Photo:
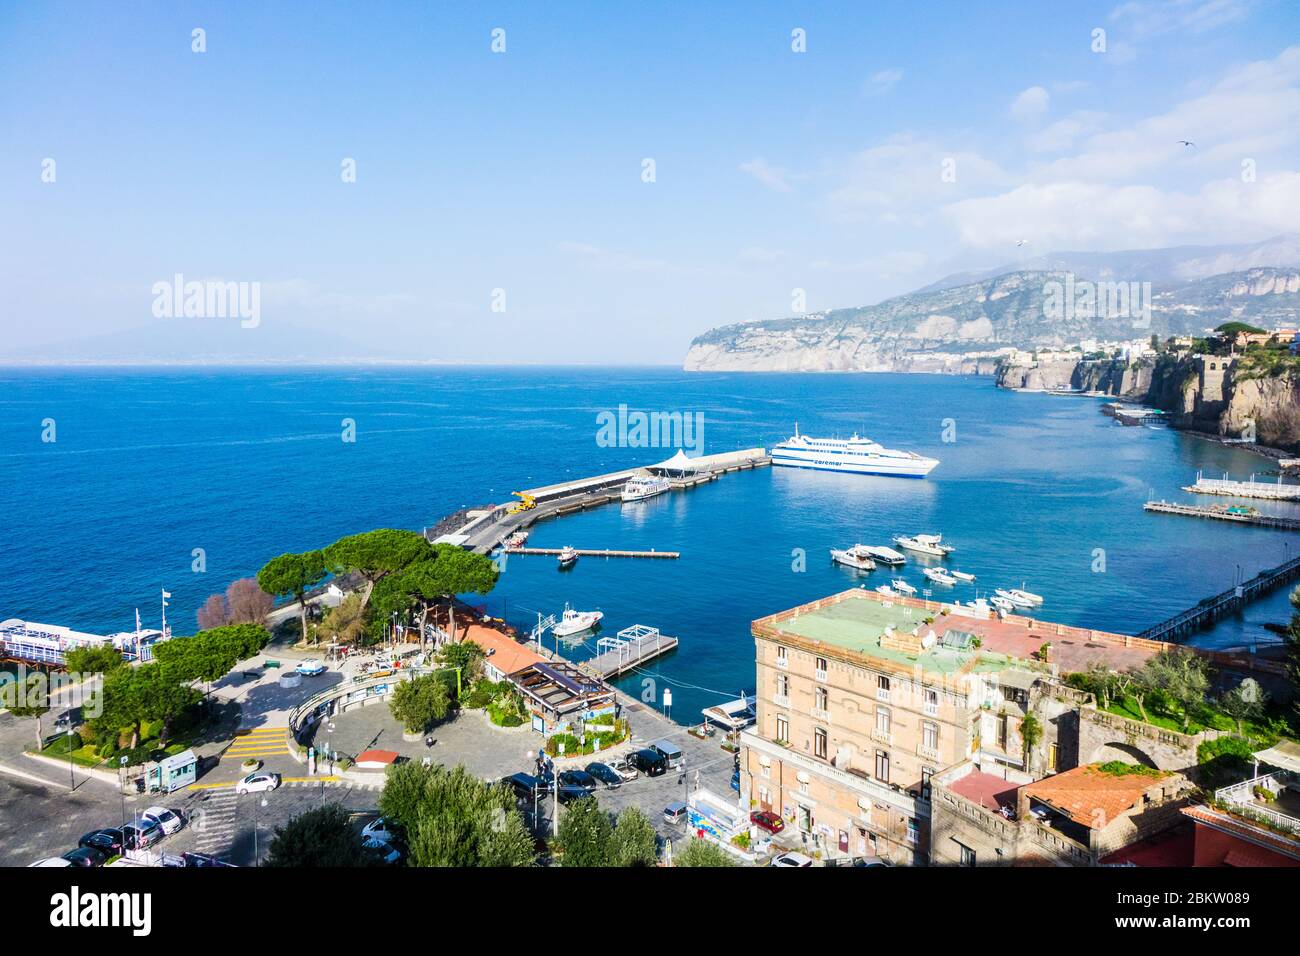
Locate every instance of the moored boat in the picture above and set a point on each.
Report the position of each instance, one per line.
(882, 555)
(902, 587)
(640, 487)
(858, 455)
(924, 544)
(567, 557)
(517, 540)
(1024, 595)
(575, 622)
(886, 590)
(962, 575)
(855, 557)
(939, 576)
(1013, 597)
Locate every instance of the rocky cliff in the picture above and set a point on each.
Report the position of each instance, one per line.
(1232, 397)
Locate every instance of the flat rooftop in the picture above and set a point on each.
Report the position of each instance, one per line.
(855, 620)
(858, 625)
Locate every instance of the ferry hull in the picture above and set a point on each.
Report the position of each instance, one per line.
(894, 468)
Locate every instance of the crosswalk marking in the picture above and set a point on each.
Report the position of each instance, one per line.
(216, 824)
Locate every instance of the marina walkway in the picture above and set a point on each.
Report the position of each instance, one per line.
(606, 553)
(1221, 513)
(1229, 601)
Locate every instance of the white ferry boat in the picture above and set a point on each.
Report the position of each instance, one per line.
(645, 486)
(575, 622)
(855, 557)
(861, 456)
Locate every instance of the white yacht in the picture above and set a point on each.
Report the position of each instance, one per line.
(1014, 597)
(884, 555)
(939, 576)
(1001, 603)
(962, 575)
(568, 556)
(930, 544)
(575, 622)
(640, 487)
(855, 557)
(886, 590)
(858, 455)
(902, 587)
(1023, 595)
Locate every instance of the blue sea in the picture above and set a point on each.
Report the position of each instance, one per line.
(149, 466)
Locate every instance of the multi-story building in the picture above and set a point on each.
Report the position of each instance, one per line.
(860, 700)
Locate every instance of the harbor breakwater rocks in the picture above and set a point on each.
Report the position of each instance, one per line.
(1207, 393)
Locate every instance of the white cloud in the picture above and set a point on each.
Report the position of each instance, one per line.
(1064, 133)
(1031, 103)
(882, 82)
(609, 260)
(1146, 18)
(770, 176)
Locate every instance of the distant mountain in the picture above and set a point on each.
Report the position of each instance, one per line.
(1164, 266)
(203, 342)
(953, 328)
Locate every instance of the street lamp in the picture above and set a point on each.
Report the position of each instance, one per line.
(122, 763)
(72, 780)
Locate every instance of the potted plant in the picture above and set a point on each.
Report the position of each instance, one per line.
(251, 764)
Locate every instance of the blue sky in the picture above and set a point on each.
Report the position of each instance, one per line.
(522, 171)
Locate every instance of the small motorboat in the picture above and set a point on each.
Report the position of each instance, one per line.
(939, 576)
(567, 557)
(1001, 603)
(855, 557)
(517, 540)
(962, 576)
(886, 590)
(1011, 596)
(902, 587)
(576, 622)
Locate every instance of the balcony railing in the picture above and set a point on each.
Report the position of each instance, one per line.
(823, 715)
(884, 736)
(1243, 795)
(781, 700)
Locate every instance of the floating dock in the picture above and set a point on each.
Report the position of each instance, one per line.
(1224, 513)
(632, 647)
(1227, 602)
(607, 553)
(1269, 490)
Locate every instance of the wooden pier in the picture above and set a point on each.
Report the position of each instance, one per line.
(589, 553)
(634, 646)
(1223, 513)
(1228, 602)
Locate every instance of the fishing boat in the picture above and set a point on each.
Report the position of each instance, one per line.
(930, 544)
(855, 557)
(642, 487)
(902, 587)
(884, 555)
(858, 455)
(567, 557)
(962, 576)
(1013, 597)
(1024, 595)
(939, 576)
(517, 540)
(576, 622)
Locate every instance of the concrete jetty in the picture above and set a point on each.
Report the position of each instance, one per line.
(1226, 602)
(606, 553)
(1224, 513)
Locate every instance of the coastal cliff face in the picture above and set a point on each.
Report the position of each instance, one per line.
(1205, 393)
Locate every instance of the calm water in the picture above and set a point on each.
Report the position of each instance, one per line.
(149, 466)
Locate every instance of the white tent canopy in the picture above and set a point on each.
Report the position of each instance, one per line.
(679, 462)
(1284, 754)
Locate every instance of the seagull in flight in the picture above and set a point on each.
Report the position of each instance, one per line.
(1021, 242)
(1186, 142)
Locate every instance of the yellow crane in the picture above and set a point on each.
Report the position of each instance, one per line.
(526, 501)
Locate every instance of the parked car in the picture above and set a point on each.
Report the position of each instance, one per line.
(670, 752)
(569, 793)
(735, 780)
(311, 667)
(578, 778)
(258, 782)
(141, 835)
(792, 859)
(767, 820)
(169, 820)
(86, 856)
(203, 859)
(379, 830)
(649, 762)
(605, 774)
(624, 769)
(526, 786)
(675, 812)
(56, 861)
(870, 861)
(109, 840)
(387, 852)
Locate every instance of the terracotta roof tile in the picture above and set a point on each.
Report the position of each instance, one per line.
(1090, 797)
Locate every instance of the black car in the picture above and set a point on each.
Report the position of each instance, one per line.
(578, 778)
(649, 762)
(605, 774)
(569, 793)
(525, 785)
(109, 840)
(86, 856)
